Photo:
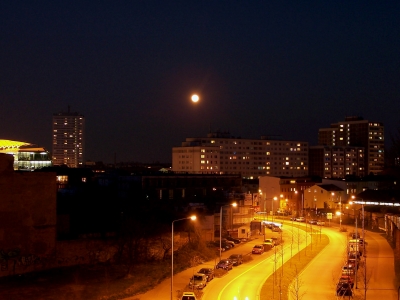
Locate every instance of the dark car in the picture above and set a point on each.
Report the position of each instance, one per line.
(225, 243)
(346, 279)
(313, 221)
(354, 259)
(355, 235)
(276, 229)
(225, 264)
(344, 289)
(236, 241)
(276, 240)
(209, 272)
(237, 259)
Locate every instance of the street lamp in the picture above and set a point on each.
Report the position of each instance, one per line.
(340, 207)
(302, 202)
(273, 199)
(220, 226)
(363, 236)
(172, 251)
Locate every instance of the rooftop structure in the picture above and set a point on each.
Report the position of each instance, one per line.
(27, 156)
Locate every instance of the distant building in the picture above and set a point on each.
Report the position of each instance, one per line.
(357, 132)
(336, 161)
(27, 156)
(221, 153)
(68, 139)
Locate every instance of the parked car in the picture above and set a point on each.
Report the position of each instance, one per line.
(277, 240)
(344, 289)
(300, 219)
(209, 272)
(270, 241)
(225, 264)
(321, 223)
(225, 242)
(346, 279)
(313, 221)
(237, 259)
(216, 246)
(258, 249)
(236, 241)
(268, 246)
(354, 235)
(276, 229)
(348, 269)
(188, 296)
(198, 281)
(354, 258)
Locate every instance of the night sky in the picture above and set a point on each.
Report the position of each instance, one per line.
(284, 68)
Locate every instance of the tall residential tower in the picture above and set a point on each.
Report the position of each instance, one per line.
(68, 139)
(357, 132)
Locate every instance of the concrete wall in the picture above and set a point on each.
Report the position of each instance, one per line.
(27, 217)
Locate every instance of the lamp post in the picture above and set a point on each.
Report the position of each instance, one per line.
(220, 226)
(272, 201)
(340, 208)
(363, 236)
(302, 202)
(172, 251)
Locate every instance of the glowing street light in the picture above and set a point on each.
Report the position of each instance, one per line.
(172, 251)
(273, 199)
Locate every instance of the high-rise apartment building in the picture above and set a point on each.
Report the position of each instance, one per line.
(68, 139)
(357, 132)
(336, 162)
(221, 153)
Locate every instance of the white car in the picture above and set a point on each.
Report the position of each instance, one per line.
(188, 296)
(321, 223)
(300, 219)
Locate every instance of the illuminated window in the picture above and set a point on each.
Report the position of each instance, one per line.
(62, 178)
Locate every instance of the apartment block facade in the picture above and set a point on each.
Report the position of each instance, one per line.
(357, 132)
(68, 139)
(336, 162)
(221, 153)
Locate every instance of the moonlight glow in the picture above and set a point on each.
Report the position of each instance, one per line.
(195, 98)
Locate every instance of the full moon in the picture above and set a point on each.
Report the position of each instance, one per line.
(195, 98)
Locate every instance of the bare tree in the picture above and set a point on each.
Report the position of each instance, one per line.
(295, 288)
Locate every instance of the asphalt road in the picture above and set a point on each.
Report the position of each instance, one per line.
(319, 278)
(242, 281)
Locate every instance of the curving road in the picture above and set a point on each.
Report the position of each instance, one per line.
(244, 282)
(319, 278)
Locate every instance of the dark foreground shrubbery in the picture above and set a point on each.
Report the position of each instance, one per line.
(103, 280)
